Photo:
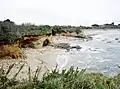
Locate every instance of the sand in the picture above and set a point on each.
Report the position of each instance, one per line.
(46, 58)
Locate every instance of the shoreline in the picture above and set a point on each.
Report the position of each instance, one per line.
(47, 56)
(35, 57)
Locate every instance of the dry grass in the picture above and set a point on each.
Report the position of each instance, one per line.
(10, 51)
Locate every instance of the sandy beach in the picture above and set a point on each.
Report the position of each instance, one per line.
(48, 57)
(45, 57)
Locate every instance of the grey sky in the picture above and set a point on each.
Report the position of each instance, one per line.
(61, 12)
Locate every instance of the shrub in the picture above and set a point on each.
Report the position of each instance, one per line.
(9, 32)
(46, 42)
(67, 79)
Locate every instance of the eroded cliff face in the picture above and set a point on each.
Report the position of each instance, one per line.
(35, 41)
(10, 51)
(13, 50)
(43, 41)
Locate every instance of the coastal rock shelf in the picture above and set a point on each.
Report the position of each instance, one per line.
(66, 46)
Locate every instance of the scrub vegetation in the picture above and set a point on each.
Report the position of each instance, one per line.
(67, 79)
(13, 37)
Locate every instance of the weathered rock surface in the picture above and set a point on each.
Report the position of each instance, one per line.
(76, 47)
(109, 42)
(116, 38)
(66, 46)
(62, 46)
(46, 42)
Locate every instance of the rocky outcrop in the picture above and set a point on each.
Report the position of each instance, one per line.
(43, 41)
(62, 46)
(76, 47)
(85, 38)
(46, 42)
(116, 38)
(109, 42)
(66, 46)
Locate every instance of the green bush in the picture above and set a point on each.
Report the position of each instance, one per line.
(67, 79)
(9, 31)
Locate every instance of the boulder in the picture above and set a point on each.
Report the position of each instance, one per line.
(66, 46)
(63, 46)
(76, 47)
(116, 38)
(46, 42)
(109, 42)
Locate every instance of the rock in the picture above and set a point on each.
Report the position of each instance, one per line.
(46, 42)
(91, 38)
(66, 46)
(109, 42)
(82, 37)
(116, 38)
(76, 47)
(63, 46)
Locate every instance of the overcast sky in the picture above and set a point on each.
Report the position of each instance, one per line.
(61, 12)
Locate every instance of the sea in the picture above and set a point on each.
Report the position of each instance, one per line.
(99, 55)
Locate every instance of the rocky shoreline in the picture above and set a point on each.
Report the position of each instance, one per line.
(45, 57)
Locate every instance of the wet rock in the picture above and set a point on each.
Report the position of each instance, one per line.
(80, 36)
(62, 46)
(67, 46)
(109, 42)
(116, 38)
(90, 38)
(76, 47)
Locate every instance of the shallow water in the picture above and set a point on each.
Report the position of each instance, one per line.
(102, 54)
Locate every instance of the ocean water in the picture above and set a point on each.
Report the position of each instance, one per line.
(102, 54)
